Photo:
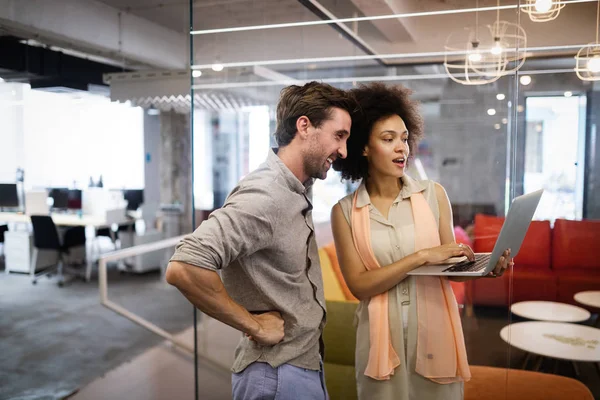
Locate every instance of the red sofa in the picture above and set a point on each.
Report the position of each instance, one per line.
(575, 258)
(553, 263)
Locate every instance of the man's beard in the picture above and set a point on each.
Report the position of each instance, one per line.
(314, 167)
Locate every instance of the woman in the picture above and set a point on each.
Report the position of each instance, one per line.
(409, 341)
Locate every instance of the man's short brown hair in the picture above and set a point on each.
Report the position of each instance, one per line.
(314, 100)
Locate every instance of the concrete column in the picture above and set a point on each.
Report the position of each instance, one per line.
(176, 165)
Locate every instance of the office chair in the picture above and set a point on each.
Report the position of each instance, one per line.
(114, 235)
(45, 238)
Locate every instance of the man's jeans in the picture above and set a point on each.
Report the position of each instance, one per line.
(260, 381)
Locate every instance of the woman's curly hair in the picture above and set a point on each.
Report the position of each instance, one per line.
(377, 101)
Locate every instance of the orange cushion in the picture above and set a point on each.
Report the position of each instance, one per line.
(335, 265)
(331, 285)
(575, 244)
(493, 383)
(487, 229)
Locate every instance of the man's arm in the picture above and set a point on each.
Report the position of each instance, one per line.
(204, 289)
(243, 226)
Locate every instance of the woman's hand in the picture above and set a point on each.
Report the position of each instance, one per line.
(503, 263)
(440, 253)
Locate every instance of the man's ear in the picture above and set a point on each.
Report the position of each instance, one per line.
(302, 126)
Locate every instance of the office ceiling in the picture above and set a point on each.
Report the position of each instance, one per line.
(153, 35)
(575, 26)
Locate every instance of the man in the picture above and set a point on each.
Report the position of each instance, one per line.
(263, 242)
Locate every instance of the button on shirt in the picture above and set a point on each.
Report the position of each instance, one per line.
(263, 241)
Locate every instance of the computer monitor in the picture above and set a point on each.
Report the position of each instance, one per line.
(74, 199)
(9, 198)
(134, 198)
(60, 197)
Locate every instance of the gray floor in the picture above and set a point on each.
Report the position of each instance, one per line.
(55, 340)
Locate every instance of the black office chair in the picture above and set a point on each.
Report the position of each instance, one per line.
(74, 237)
(45, 237)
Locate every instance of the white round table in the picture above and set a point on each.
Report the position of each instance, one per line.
(550, 311)
(558, 340)
(589, 298)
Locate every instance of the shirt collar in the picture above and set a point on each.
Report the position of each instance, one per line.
(274, 162)
(409, 186)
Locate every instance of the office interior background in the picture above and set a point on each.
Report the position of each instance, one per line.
(123, 124)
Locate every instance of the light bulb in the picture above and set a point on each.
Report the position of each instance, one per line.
(593, 64)
(500, 96)
(217, 67)
(543, 5)
(568, 93)
(475, 57)
(491, 111)
(497, 126)
(525, 80)
(497, 49)
(196, 73)
(505, 121)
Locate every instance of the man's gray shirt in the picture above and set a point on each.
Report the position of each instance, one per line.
(263, 241)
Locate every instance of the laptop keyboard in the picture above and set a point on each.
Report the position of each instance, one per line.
(481, 261)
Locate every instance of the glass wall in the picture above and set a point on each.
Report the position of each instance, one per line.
(505, 115)
(82, 176)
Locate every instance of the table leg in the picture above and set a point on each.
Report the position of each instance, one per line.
(526, 360)
(538, 364)
(576, 368)
(555, 369)
(89, 261)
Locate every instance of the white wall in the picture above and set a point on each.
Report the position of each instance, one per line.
(11, 127)
(62, 140)
(203, 161)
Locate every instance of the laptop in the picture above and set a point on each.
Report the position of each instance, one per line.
(511, 237)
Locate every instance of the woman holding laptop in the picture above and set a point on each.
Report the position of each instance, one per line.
(409, 341)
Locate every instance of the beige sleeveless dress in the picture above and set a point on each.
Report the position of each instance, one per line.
(391, 240)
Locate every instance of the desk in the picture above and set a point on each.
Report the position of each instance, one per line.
(24, 244)
(550, 311)
(60, 219)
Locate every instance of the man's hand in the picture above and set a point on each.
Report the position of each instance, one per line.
(271, 330)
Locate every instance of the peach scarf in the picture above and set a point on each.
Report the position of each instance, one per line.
(441, 354)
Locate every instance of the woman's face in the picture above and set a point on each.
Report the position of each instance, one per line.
(387, 150)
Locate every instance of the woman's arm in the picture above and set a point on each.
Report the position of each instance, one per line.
(447, 226)
(365, 284)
